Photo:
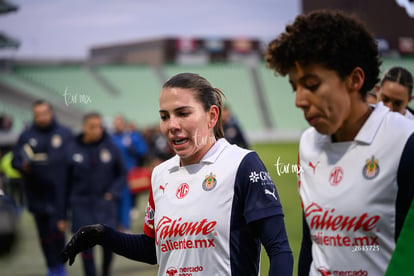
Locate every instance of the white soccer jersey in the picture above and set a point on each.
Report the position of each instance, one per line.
(198, 214)
(349, 193)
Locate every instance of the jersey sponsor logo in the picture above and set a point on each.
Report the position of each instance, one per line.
(328, 220)
(182, 190)
(350, 272)
(340, 240)
(336, 176)
(169, 245)
(171, 271)
(193, 269)
(254, 177)
(324, 271)
(168, 229)
(209, 182)
(313, 166)
(371, 168)
(312, 208)
(263, 176)
(184, 271)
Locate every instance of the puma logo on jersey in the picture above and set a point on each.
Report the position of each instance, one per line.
(267, 192)
(313, 166)
(162, 188)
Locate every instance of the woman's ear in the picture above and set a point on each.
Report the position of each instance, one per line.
(356, 79)
(213, 114)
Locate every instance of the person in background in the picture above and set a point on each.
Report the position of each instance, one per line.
(12, 181)
(8, 223)
(157, 144)
(96, 179)
(139, 178)
(355, 188)
(133, 150)
(232, 130)
(396, 89)
(38, 156)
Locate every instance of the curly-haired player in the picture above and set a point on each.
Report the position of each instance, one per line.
(356, 186)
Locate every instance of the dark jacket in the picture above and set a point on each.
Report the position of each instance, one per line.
(234, 134)
(94, 169)
(46, 178)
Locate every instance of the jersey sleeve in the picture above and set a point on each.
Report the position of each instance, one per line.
(138, 247)
(274, 239)
(149, 217)
(305, 255)
(255, 190)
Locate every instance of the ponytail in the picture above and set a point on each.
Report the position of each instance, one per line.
(218, 128)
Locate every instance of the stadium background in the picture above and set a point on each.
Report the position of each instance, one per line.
(126, 78)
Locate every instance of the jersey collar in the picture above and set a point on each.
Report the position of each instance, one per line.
(368, 131)
(209, 158)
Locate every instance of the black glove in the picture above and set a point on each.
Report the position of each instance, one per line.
(85, 238)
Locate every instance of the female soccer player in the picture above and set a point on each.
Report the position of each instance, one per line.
(395, 90)
(356, 186)
(211, 206)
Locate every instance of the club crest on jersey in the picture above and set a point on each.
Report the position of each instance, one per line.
(56, 141)
(77, 157)
(371, 168)
(105, 156)
(33, 142)
(209, 182)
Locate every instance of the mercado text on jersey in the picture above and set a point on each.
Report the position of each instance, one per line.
(349, 192)
(200, 212)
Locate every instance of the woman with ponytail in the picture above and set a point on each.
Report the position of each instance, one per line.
(211, 206)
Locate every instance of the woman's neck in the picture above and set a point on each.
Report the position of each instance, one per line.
(349, 130)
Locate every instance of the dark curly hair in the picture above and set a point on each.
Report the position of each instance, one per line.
(336, 40)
